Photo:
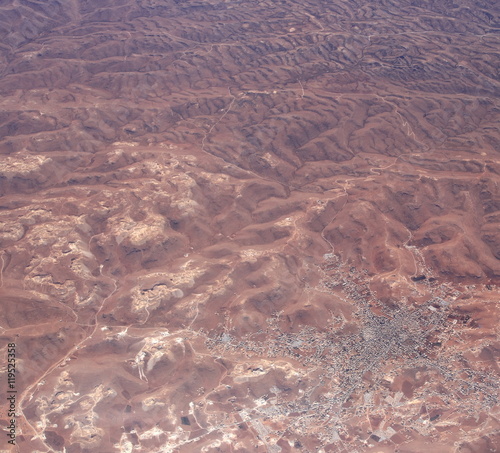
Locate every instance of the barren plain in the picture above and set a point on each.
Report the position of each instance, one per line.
(250, 226)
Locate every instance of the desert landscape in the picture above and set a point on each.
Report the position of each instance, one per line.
(249, 226)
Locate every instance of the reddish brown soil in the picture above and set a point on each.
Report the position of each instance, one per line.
(250, 226)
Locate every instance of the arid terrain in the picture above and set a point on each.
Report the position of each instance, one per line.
(250, 226)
